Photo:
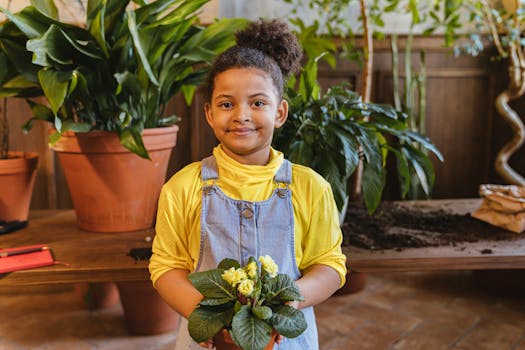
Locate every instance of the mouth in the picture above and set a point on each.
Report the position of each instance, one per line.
(241, 131)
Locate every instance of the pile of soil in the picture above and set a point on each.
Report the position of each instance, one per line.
(396, 227)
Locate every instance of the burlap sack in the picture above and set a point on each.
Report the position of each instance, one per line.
(503, 206)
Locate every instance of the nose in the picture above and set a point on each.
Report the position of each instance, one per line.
(242, 114)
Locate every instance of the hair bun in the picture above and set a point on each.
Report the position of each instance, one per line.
(275, 39)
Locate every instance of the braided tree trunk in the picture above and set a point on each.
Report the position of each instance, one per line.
(515, 90)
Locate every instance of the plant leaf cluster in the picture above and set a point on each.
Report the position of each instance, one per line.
(115, 73)
(332, 131)
(249, 319)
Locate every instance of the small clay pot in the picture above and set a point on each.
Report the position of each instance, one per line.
(223, 341)
(145, 311)
(355, 282)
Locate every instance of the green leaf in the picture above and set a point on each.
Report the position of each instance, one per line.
(373, 182)
(281, 288)
(262, 312)
(131, 138)
(137, 44)
(227, 263)
(55, 85)
(289, 321)
(204, 322)
(46, 7)
(212, 285)
(250, 332)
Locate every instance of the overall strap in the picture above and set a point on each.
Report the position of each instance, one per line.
(284, 174)
(209, 169)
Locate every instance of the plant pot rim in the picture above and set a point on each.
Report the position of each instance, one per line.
(98, 141)
(19, 162)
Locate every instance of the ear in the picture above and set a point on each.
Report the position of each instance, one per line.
(282, 114)
(208, 113)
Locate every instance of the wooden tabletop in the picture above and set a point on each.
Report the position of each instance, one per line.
(483, 254)
(103, 257)
(90, 256)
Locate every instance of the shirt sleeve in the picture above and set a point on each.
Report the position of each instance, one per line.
(172, 246)
(323, 239)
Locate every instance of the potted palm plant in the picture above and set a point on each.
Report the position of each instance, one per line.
(107, 83)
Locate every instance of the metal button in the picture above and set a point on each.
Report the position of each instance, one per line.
(207, 190)
(247, 213)
(281, 192)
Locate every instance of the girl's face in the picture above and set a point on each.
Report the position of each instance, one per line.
(243, 112)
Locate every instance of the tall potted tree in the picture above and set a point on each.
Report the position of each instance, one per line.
(107, 82)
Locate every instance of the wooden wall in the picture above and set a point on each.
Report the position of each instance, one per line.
(461, 121)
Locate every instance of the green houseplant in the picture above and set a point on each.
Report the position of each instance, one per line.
(331, 131)
(111, 76)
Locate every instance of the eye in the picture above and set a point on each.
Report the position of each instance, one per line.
(259, 103)
(226, 105)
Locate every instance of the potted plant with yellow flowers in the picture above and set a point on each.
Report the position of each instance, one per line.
(245, 307)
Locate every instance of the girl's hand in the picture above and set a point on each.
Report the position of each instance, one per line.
(207, 344)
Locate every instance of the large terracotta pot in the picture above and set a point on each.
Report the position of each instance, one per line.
(17, 178)
(112, 189)
(223, 341)
(145, 311)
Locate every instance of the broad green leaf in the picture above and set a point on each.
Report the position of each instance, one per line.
(250, 332)
(227, 263)
(137, 44)
(131, 138)
(289, 321)
(212, 285)
(204, 322)
(262, 312)
(281, 288)
(46, 7)
(55, 85)
(30, 21)
(373, 182)
(97, 29)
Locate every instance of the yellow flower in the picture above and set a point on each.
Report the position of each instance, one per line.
(269, 265)
(234, 276)
(251, 269)
(246, 287)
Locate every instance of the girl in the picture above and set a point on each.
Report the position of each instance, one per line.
(246, 199)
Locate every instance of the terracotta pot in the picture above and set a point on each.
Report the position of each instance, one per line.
(146, 313)
(355, 282)
(98, 295)
(504, 282)
(112, 189)
(223, 341)
(17, 178)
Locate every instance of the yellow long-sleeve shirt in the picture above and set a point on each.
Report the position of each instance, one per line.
(316, 225)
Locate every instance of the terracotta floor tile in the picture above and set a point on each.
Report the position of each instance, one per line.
(369, 337)
(491, 335)
(396, 311)
(430, 335)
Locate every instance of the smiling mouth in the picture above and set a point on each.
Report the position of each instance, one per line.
(241, 131)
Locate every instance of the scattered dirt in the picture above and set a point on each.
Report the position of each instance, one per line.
(395, 227)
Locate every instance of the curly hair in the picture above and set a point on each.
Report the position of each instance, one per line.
(268, 45)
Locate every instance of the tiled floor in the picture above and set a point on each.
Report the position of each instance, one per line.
(429, 311)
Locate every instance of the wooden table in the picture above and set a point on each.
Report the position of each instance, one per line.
(504, 254)
(91, 256)
(102, 257)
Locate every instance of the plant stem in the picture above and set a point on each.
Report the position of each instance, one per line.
(395, 70)
(4, 132)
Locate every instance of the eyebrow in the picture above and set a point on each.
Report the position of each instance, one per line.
(251, 96)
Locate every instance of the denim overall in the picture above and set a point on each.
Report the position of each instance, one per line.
(239, 229)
